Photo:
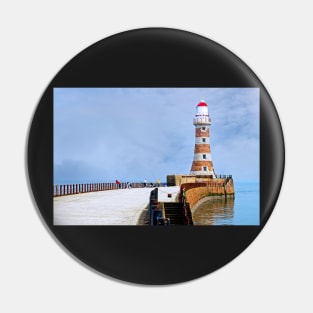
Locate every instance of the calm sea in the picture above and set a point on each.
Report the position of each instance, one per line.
(243, 210)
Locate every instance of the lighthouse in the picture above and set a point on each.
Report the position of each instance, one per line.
(202, 160)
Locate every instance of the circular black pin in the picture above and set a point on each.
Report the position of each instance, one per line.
(188, 114)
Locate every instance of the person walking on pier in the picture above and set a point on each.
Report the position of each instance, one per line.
(118, 184)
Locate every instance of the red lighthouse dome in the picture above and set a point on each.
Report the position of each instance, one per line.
(202, 104)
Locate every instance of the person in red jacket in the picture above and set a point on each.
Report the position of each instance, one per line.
(118, 183)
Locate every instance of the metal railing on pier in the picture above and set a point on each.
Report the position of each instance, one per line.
(224, 176)
(72, 189)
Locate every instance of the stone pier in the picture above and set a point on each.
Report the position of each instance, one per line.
(110, 207)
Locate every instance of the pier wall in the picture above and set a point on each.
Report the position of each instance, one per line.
(219, 187)
(179, 179)
(195, 194)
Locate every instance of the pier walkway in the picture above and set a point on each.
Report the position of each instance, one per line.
(110, 207)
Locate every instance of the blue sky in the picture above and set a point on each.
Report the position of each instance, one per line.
(132, 134)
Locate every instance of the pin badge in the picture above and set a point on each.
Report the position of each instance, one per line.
(155, 156)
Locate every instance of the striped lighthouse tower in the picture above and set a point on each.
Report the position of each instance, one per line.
(202, 160)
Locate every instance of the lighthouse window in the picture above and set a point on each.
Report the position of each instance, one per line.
(203, 139)
(204, 156)
(203, 129)
(205, 168)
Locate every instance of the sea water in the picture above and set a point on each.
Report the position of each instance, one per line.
(244, 209)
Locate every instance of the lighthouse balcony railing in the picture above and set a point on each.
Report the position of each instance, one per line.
(202, 120)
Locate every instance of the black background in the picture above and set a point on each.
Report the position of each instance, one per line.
(155, 58)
